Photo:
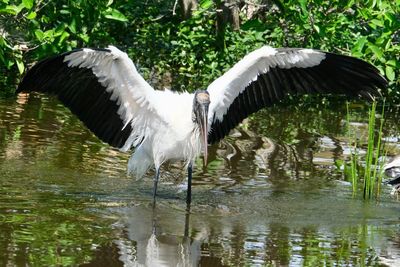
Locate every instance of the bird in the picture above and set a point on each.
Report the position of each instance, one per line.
(103, 88)
(392, 170)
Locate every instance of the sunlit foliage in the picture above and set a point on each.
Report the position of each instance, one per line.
(185, 54)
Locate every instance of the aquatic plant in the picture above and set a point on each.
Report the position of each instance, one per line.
(369, 168)
(373, 167)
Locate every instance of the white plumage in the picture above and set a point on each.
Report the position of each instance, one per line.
(135, 98)
(161, 121)
(226, 88)
(103, 88)
(172, 137)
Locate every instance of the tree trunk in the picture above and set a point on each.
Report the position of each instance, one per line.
(231, 13)
(187, 7)
(227, 13)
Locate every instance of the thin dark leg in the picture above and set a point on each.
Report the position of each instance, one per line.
(156, 176)
(189, 186)
(187, 218)
(153, 221)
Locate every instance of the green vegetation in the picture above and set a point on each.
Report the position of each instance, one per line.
(187, 53)
(59, 210)
(373, 169)
(351, 170)
(368, 168)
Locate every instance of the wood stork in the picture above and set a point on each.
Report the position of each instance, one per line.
(104, 89)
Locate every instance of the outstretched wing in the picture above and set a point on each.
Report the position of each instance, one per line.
(102, 87)
(267, 75)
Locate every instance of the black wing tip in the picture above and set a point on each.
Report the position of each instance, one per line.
(29, 83)
(360, 64)
(335, 74)
(372, 81)
(79, 90)
(30, 80)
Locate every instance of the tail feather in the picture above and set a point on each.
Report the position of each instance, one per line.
(139, 163)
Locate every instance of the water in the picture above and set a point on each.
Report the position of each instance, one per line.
(270, 196)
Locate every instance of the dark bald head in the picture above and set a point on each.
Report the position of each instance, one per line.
(202, 97)
(201, 103)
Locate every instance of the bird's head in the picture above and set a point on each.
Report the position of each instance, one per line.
(201, 103)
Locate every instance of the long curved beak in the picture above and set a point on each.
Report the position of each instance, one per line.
(204, 130)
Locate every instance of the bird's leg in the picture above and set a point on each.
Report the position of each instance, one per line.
(187, 219)
(156, 176)
(189, 186)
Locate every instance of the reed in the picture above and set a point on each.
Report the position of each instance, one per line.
(352, 169)
(370, 171)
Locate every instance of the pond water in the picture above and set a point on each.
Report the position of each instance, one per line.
(270, 196)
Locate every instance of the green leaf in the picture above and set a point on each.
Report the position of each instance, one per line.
(49, 34)
(31, 15)
(39, 34)
(377, 22)
(19, 8)
(389, 73)
(4, 43)
(3, 60)
(20, 65)
(63, 36)
(84, 37)
(206, 4)
(359, 45)
(391, 62)
(28, 3)
(9, 64)
(377, 51)
(59, 29)
(8, 10)
(114, 14)
(303, 6)
(357, 54)
(12, 9)
(72, 25)
(380, 68)
(316, 28)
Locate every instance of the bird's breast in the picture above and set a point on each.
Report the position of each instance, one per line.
(176, 136)
(170, 145)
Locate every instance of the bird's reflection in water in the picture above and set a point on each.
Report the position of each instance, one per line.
(159, 238)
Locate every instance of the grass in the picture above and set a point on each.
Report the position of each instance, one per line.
(373, 171)
(369, 171)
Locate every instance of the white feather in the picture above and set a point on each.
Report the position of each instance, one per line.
(226, 88)
(161, 120)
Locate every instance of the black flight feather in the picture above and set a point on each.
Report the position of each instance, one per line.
(80, 91)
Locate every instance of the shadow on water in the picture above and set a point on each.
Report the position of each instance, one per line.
(269, 196)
